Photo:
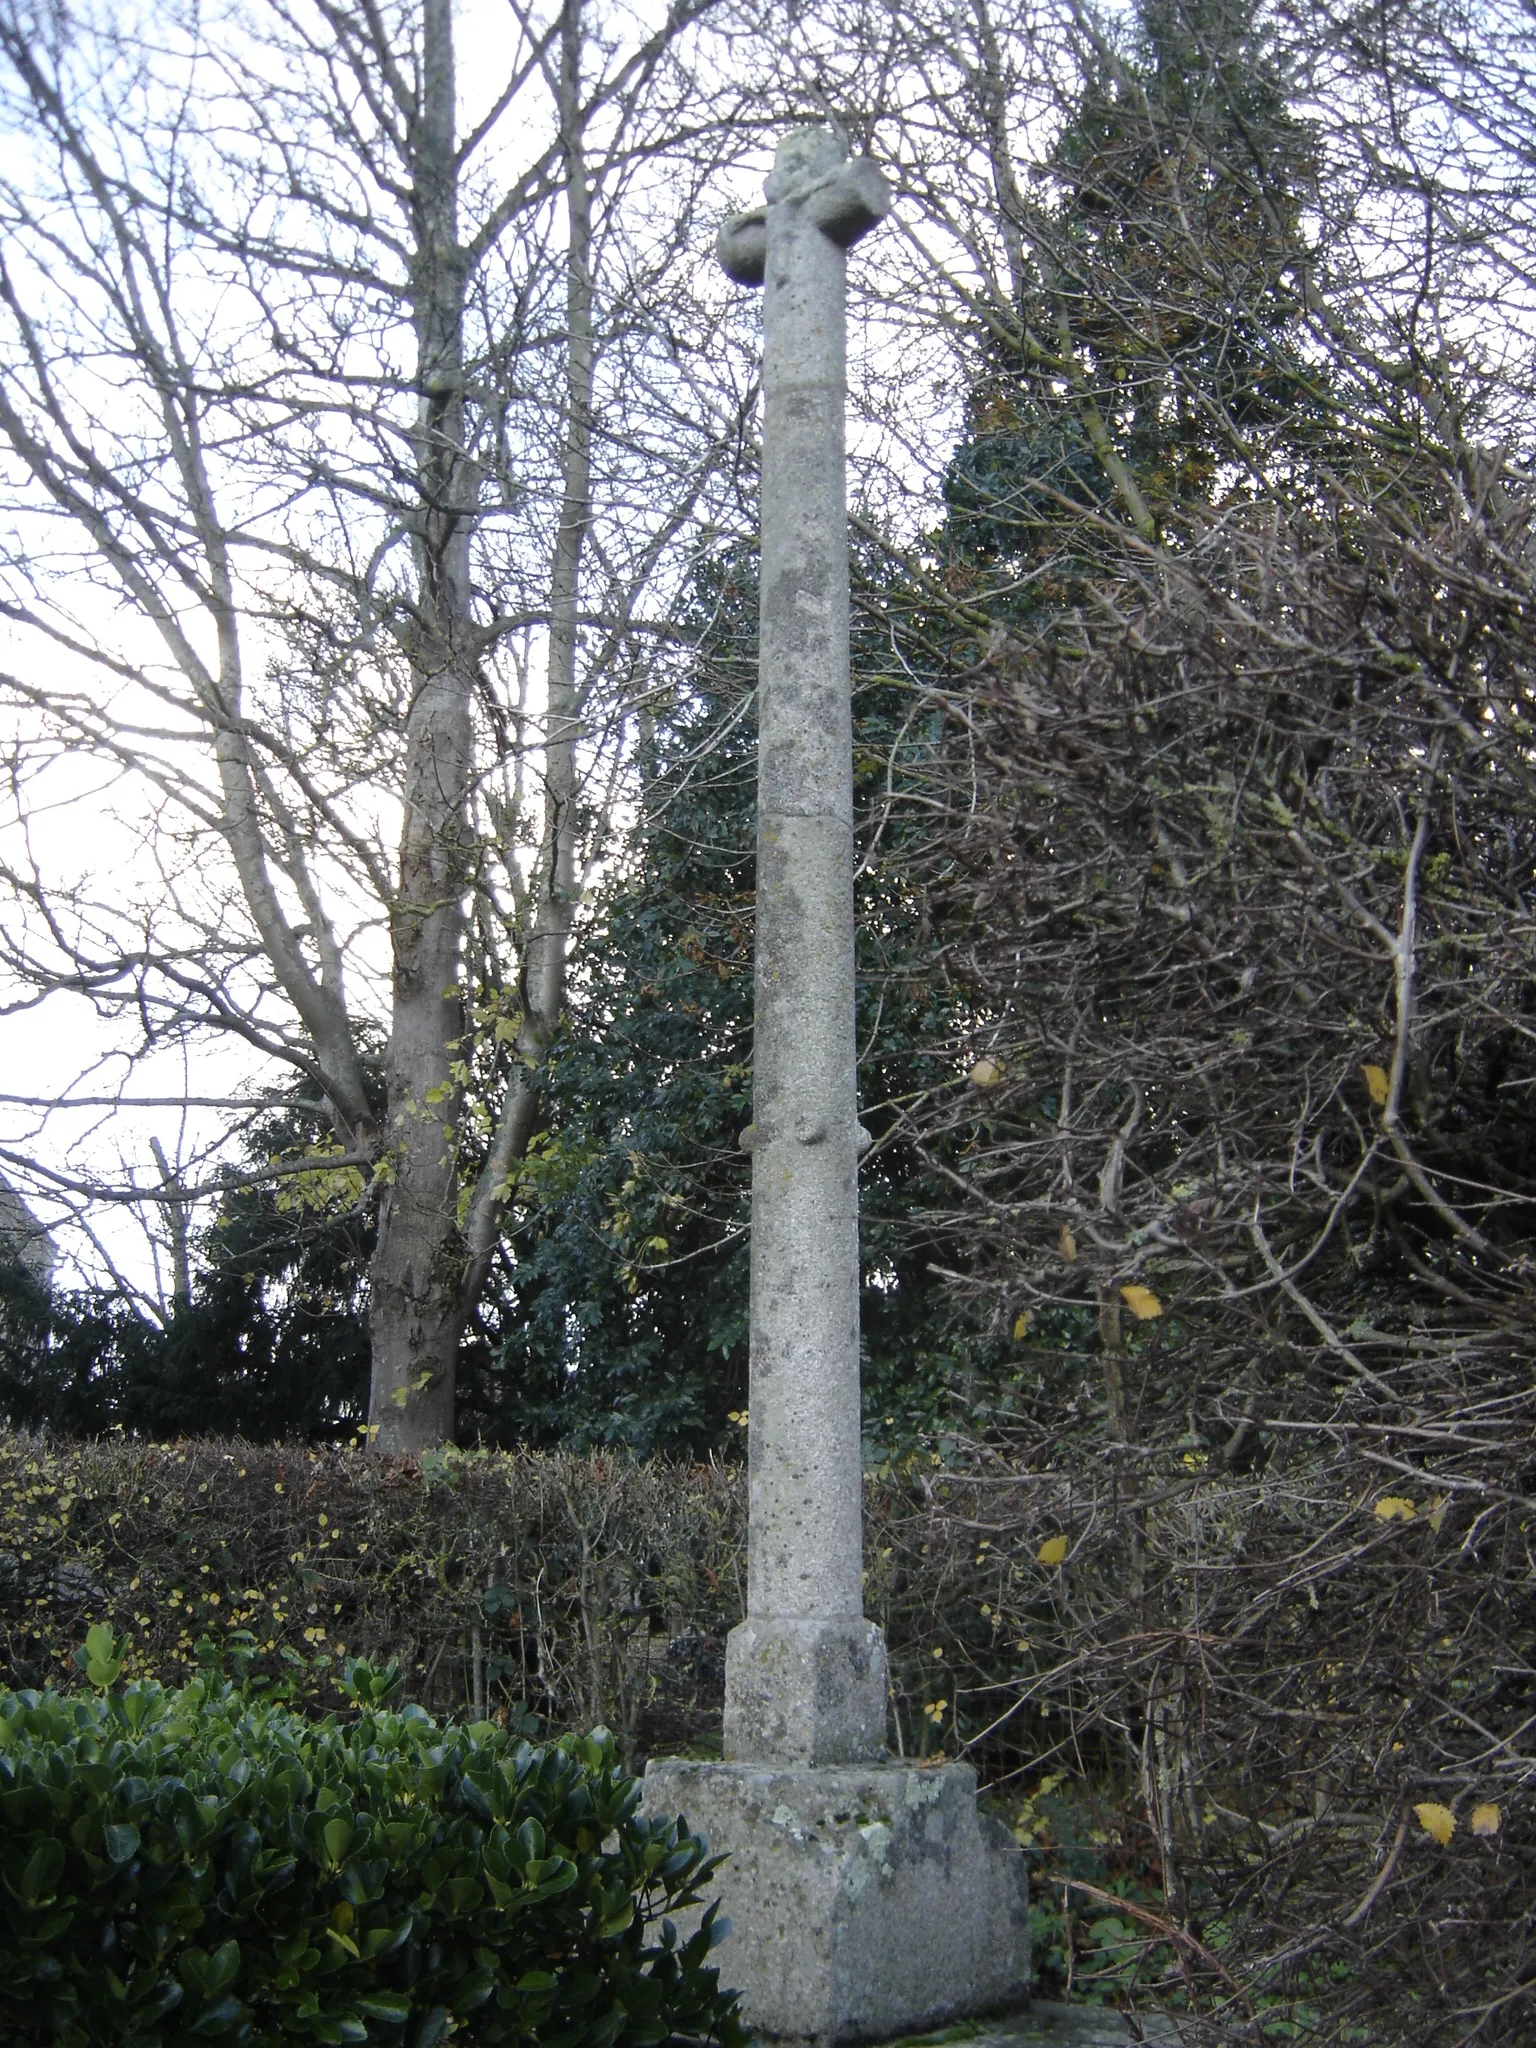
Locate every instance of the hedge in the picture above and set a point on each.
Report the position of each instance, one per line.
(1224, 1683)
(584, 1590)
(198, 1865)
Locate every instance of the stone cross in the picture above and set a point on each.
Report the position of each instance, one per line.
(805, 1672)
(869, 1899)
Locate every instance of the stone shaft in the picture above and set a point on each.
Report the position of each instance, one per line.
(805, 1675)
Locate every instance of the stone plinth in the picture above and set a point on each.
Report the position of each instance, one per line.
(866, 1901)
(804, 1691)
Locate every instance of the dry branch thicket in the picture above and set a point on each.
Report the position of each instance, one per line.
(1240, 857)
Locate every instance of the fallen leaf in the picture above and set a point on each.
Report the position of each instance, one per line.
(1021, 1325)
(1068, 1243)
(1438, 1821)
(1486, 1820)
(1437, 1511)
(988, 1072)
(1052, 1551)
(1142, 1302)
(1393, 1508)
(1380, 1087)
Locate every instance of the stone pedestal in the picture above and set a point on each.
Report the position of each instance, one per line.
(866, 1901)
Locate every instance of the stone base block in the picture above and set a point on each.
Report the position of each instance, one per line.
(805, 1691)
(866, 1902)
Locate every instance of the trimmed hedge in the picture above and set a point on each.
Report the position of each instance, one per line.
(200, 1865)
(571, 1575)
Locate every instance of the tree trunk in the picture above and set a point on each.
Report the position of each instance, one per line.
(428, 1273)
(418, 1264)
(546, 947)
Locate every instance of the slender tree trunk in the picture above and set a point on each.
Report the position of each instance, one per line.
(418, 1264)
(176, 1222)
(543, 967)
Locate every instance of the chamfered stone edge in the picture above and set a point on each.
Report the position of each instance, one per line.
(866, 1901)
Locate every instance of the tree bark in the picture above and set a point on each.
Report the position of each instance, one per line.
(543, 966)
(416, 1314)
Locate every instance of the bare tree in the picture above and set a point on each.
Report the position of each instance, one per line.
(324, 533)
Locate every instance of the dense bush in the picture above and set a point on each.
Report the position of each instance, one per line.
(201, 1865)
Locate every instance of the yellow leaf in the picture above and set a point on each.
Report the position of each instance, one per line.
(1052, 1551)
(1438, 1821)
(1068, 1243)
(1021, 1325)
(1486, 1820)
(1376, 1081)
(1393, 1508)
(1437, 1511)
(988, 1072)
(400, 1395)
(1142, 1302)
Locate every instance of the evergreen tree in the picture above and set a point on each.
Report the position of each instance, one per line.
(625, 1319)
(270, 1344)
(1157, 362)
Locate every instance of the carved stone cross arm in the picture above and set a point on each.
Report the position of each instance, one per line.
(845, 201)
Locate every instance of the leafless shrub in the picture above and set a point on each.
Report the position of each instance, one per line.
(1243, 860)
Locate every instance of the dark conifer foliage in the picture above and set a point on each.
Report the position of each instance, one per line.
(271, 1344)
(1158, 265)
(623, 1318)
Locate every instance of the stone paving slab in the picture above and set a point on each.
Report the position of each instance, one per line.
(1047, 2025)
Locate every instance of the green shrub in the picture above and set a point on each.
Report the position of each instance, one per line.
(201, 1865)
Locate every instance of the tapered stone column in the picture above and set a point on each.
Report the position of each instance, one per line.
(805, 1673)
(867, 1898)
